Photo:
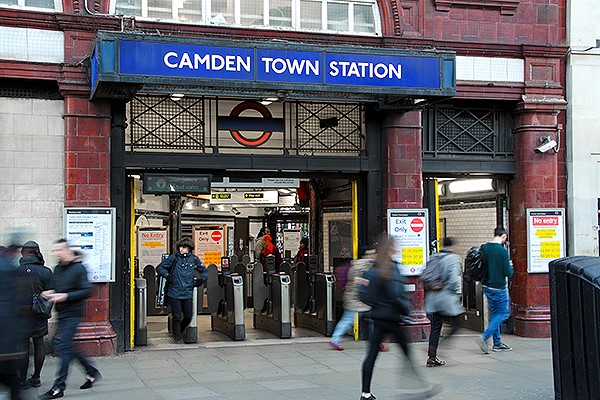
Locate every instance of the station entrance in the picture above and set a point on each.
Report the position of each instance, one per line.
(308, 173)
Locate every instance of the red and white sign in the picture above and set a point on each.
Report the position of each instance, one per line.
(545, 237)
(545, 221)
(417, 225)
(216, 236)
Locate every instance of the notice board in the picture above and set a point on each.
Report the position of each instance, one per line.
(410, 228)
(152, 244)
(92, 231)
(211, 243)
(545, 237)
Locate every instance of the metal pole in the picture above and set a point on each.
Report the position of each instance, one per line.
(191, 332)
(141, 325)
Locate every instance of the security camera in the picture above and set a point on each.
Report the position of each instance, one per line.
(547, 144)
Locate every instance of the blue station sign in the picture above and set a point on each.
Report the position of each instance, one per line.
(145, 62)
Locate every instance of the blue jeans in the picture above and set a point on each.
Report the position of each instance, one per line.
(499, 302)
(346, 322)
(67, 327)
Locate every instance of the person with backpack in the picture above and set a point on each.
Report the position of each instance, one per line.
(442, 299)
(498, 271)
(352, 303)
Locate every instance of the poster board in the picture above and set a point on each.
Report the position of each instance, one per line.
(152, 243)
(410, 228)
(211, 243)
(545, 237)
(92, 231)
(340, 240)
(291, 240)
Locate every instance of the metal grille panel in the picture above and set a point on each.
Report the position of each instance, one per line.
(467, 132)
(162, 123)
(329, 128)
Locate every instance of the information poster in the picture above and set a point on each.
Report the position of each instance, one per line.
(211, 243)
(291, 241)
(92, 231)
(152, 244)
(545, 237)
(410, 228)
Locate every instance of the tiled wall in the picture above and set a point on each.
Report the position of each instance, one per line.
(32, 168)
(470, 226)
(332, 216)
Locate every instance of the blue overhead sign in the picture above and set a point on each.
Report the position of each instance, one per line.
(265, 66)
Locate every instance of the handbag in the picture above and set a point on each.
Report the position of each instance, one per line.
(39, 304)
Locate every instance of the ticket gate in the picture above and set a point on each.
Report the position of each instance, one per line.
(314, 306)
(226, 300)
(271, 295)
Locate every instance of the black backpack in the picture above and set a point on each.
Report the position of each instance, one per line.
(475, 265)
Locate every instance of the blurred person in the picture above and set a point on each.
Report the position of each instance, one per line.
(179, 270)
(444, 302)
(352, 303)
(69, 289)
(499, 270)
(302, 250)
(36, 325)
(390, 306)
(12, 304)
(259, 243)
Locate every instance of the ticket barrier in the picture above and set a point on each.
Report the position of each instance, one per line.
(272, 309)
(226, 300)
(314, 306)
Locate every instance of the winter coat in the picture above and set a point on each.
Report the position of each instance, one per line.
(393, 303)
(180, 271)
(71, 279)
(11, 306)
(446, 301)
(38, 278)
(351, 300)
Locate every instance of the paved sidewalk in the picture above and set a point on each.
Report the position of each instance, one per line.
(309, 369)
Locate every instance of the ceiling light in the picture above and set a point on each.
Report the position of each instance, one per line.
(471, 185)
(177, 96)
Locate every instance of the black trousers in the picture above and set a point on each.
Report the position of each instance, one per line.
(179, 306)
(381, 328)
(437, 321)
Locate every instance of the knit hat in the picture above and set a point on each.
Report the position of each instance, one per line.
(31, 245)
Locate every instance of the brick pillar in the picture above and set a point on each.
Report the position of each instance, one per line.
(539, 183)
(402, 188)
(87, 184)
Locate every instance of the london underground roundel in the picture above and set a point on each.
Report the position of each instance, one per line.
(262, 110)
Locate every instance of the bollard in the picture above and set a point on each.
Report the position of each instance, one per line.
(141, 325)
(191, 332)
(238, 308)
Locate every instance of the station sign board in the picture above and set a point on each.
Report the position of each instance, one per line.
(545, 237)
(410, 228)
(176, 184)
(255, 197)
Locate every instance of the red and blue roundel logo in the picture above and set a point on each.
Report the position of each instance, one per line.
(267, 123)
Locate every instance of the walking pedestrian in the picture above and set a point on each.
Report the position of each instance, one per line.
(36, 325)
(499, 270)
(69, 289)
(352, 303)
(180, 271)
(390, 306)
(259, 243)
(444, 302)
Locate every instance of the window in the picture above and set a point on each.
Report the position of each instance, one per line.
(52, 5)
(345, 16)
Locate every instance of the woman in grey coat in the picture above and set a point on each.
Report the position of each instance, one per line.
(444, 302)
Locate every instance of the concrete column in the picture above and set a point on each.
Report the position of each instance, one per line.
(402, 188)
(539, 183)
(87, 184)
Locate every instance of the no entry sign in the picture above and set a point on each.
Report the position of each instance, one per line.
(410, 229)
(216, 235)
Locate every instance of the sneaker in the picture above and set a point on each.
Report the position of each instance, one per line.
(34, 382)
(336, 346)
(52, 394)
(483, 345)
(501, 347)
(371, 397)
(383, 347)
(435, 362)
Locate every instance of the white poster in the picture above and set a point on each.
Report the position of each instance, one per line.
(291, 241)
(410, 228)
(545, 237)
(152, 243)
(211, 243)
(92, 230)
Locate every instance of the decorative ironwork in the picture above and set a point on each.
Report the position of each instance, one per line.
(467, 132)
(329, 128)
(163, 123)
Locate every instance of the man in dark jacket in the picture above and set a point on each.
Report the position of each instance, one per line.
(70, 288)
(179, 270)
(39, 278)
(494, 286)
